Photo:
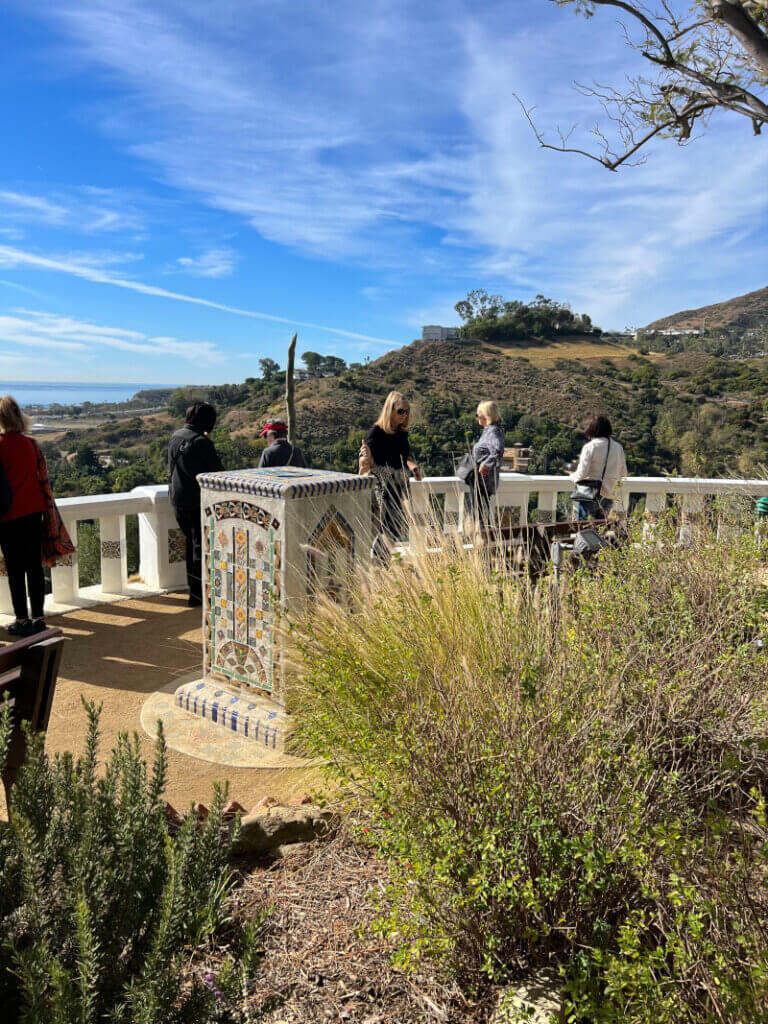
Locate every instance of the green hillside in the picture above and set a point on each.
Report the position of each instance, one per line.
(688, 412)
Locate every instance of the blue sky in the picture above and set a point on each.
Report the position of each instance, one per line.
(183, 184)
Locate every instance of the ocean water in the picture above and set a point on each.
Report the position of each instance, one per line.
(71, 393)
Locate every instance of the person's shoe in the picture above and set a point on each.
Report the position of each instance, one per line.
(194, 602)
(21, 627)
(37, 626)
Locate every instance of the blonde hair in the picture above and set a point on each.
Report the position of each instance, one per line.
(393, 399)
(490, 410)
(12, 419)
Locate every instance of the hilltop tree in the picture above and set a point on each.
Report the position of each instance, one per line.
(323, 366)
(491, 318)
(269, 368)
(706, 56)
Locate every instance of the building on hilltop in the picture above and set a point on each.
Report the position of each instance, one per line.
(433, 332)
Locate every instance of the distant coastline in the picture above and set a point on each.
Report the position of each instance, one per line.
(47, 393)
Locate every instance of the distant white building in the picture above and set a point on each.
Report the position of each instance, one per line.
(433, 332)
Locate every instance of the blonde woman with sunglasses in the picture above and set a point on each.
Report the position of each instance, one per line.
(386, 454)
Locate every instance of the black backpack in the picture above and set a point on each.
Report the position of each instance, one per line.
(6, 494)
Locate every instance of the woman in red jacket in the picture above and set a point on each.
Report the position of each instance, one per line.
(21, 528)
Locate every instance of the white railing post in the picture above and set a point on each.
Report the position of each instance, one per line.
(65, 581)
(547, 507)
(161, 543)
(654, 507)
(114, 555)
(693, 516)
(453, 511)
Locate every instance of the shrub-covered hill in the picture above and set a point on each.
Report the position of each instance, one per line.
(688, 412)
(745, 312)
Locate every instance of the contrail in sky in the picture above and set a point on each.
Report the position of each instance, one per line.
(11, 257)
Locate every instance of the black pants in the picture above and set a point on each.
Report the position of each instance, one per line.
(189, 524)
(21, 544)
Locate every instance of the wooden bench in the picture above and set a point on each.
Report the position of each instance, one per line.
(28, 672)
(529, 548)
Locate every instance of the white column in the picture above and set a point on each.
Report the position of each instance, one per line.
(654, 508)
(693, 516)
(421, 507)
(161, 551)
(547, 510)
(114, 556)
(453, 509)
(65, 584)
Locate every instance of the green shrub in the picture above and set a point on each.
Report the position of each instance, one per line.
(102, 908)
(579, 781)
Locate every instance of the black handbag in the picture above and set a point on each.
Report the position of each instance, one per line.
(591, 490)
(465, 470)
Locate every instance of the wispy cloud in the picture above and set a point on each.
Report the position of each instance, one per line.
(399, 147)
(13, 257)
(51, 331)
(87, 210)
(213, 263)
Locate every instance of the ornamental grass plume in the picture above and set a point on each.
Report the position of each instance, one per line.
(574, 779)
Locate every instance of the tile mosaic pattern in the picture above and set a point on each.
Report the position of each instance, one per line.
(177, 546)
(261, 722)
(3, 570)
(285, 482)
(110, 549)
(242, 592)
(67, 562)
(330, 554)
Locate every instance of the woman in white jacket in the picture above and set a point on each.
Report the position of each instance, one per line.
(602, 461)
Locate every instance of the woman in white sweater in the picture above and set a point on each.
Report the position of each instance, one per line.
(602, 461)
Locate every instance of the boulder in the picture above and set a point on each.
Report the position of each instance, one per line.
(534, 1001)
(279, 826)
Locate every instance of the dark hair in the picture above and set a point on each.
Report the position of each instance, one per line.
(597, 426)
(201, 416)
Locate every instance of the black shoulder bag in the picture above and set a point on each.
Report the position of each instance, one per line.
(590, 490)
(465, 470)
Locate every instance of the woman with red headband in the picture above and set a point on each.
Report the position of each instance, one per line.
(386, 454)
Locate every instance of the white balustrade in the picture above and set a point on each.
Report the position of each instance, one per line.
(161, 544)
(516, 489)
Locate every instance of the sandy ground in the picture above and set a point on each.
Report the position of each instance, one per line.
(120, 654)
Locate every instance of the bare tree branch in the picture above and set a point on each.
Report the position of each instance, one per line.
(714, 57)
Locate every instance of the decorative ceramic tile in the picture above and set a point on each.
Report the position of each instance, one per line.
(284, 482)
(235, 592)
(177, 546)
(3, 570)
(330, 553)
(110, 549)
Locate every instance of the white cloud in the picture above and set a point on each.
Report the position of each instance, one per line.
(12, 257)
(213, 263)
(51, 331)
(399, 145)
(87, 210)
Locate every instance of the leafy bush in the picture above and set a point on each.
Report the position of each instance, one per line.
(102, 908)
(578, 781)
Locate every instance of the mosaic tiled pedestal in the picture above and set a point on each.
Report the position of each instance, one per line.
(271, 539)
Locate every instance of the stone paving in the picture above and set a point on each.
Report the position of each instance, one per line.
(134, 653)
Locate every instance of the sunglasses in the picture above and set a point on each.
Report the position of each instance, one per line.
(402, 412)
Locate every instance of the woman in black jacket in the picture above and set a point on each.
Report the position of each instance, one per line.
(190, 453)
(386, 454)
